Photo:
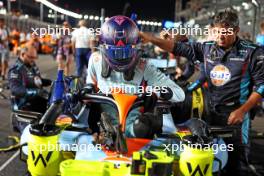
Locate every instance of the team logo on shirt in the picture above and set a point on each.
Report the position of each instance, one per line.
(220, 75)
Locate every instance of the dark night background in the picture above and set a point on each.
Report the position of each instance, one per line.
(151, 10)
(146, 9)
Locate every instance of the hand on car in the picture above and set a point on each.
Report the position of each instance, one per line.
(37, 81)
(178, 73)
(236, 117)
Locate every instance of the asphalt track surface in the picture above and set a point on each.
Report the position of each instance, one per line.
(10, 164)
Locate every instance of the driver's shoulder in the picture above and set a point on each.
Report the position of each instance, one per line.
(142, 64)
(96, 57)
(247, 45)
(16, 67)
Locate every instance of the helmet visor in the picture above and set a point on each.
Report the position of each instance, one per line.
(120, 58)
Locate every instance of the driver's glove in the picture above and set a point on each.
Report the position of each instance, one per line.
(88, 89)
(149, 101)
(166, 93)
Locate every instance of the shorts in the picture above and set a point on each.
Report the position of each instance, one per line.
(4, 56)
(65, 58)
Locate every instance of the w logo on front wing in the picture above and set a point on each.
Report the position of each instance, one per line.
(197, 171)
(40, 157)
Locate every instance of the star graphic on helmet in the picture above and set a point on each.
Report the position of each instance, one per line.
(119, 20)
(120, 43)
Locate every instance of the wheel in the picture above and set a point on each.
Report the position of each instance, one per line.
(18, 126)
(14, 122)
